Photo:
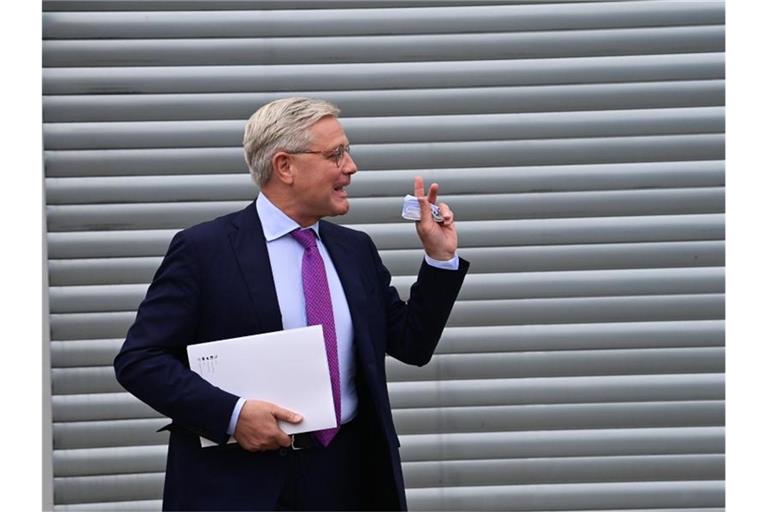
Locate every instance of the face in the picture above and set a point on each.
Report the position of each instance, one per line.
(319, 187)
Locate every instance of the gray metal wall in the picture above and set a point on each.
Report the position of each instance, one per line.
(581, 146)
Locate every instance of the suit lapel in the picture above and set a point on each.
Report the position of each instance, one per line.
(344, 255)
(250, 249)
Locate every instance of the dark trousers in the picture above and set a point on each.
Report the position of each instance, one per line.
(326, 478)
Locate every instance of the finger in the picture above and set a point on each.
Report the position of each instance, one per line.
(286, 415)
(283, 439)
(432, 197)
(418, 186)
(446, 213)
(425, 210)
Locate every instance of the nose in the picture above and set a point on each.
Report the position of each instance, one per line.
(348, 165)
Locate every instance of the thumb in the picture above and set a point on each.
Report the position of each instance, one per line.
(286, 415)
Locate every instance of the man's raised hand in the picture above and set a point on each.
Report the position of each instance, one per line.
(438, 238)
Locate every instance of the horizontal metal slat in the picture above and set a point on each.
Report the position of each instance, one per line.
(534, 471)
(374, 157)
(485, 445)
(74, 326)
(528, 365)
(474, 393)
(87, 244)
(101, 379)
(69, 354)
(102, 271)
(223, 5)
(592, 150)
(90, 325)
(700, 413)
(226, 187)
(555, 470)
(101, 434)
(109, 406)
(143, 486)
(100, 244)
(583, 257)
(208, 5)
(319, 22)
(154, 505)
(388, 102)
(105, 488)
(393, 129)
(577, 257)
(467, 207)
(387, 209)
(655, 509)
(539, 125)
(518, 285)
(579, 310)
(562, 231)
(109, 461)
(617, 335)
(618, 496)
(142, 432)
(480, 339)
(636, 468)
(523, 285)
(137, 215)
(97, 271)
(384, 48)
(102, 406)
(557, 390)
(319, 77)
(606, 442)
(432, 499)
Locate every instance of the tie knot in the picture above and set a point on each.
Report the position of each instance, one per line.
(306, 237)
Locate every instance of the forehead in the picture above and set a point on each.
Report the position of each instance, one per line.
(328, 132)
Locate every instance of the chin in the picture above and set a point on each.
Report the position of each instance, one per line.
(341, 209)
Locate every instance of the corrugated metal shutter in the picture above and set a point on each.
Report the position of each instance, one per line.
(581, 146)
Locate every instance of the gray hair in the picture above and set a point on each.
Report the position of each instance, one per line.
(280, 125)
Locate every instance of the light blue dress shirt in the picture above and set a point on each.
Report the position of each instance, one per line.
(285, 256)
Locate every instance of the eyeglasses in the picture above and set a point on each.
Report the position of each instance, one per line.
(335, 155)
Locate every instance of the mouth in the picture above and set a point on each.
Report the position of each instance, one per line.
(341, 189)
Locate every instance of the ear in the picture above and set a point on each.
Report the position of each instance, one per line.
(282, 168)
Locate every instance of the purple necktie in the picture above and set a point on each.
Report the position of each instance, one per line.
(317, 298)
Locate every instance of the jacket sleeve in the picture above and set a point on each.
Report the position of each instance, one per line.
(414, 327)
(152, 364)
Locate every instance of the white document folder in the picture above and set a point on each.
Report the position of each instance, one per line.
(288, 368)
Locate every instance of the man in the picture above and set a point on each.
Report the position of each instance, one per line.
(255, 271)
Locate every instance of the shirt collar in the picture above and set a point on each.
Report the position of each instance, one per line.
(274, 222)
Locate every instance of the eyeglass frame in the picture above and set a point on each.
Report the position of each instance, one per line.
(336, 155)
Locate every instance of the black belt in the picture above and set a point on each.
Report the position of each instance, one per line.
(303, 441)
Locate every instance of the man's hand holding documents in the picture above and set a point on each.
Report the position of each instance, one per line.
(283, 376)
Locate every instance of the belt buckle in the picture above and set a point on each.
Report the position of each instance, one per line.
(293, 446)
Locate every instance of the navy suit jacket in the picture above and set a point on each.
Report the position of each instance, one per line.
(215, 282)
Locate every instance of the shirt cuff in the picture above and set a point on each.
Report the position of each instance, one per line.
(452, 264)
(235, 416)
